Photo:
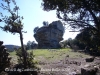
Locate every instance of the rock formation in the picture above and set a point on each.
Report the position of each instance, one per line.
(50, 36)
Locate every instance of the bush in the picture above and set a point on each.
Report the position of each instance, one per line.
(4, 59)
(29, 59)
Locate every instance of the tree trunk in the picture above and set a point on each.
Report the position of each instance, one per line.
(23, 50)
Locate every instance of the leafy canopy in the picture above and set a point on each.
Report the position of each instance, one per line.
(13, 22)
(79, 14)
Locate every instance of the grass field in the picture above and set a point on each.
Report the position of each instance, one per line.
(51, 54)
(55, 58)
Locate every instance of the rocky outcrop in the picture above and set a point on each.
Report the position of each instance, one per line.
(90, 69)
(91, 59)
(50, 36)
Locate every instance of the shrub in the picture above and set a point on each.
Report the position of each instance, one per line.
(29, 59)
(4, 59)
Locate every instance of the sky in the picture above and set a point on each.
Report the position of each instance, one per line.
(34, 15)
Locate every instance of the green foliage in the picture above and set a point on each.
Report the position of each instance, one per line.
(13, 23)
(89, 39)
(4, 59)
(85, 36)
(48, 54)
(55, 54)
(34, 45)
(39, 53)
(19, 54)
(69, 43)
(83, 13)
(31, 45)
(78, 43)
(29, 58)
(80, 15)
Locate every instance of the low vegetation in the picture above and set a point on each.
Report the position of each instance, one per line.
(52, 54)
(56, 58)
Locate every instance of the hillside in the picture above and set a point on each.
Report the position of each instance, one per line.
(11, 47)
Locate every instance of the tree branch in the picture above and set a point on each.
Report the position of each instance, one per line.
(93, 15)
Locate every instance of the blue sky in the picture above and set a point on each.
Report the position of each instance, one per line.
(33, 15)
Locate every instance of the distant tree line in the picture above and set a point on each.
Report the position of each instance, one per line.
(83, 40)
(31, 45)
(72, 43)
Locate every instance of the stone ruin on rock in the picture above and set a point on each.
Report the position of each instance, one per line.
(50, 36)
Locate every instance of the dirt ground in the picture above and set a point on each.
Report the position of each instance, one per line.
(69, 63)
(66, 66)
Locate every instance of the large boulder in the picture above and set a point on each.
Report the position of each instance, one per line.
(50, 36)
(89, 71)
(90, 59)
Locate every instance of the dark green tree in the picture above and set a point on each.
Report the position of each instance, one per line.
(79, 44)
(90, 40)
(33, 45)
(79, 14)
(85, 36)
(4, 58)
(13, 22)
(29, 45)
(29, 60)
(69, 42)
